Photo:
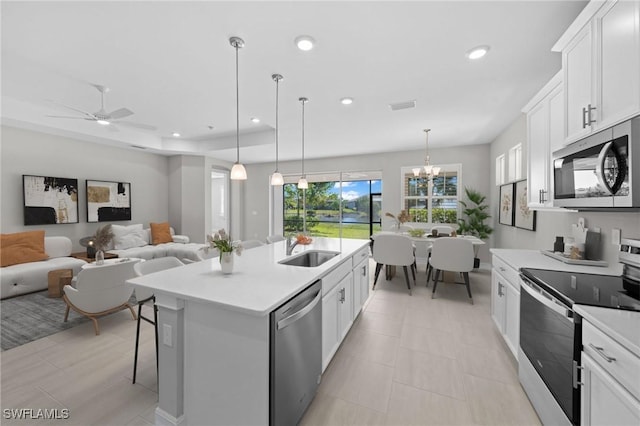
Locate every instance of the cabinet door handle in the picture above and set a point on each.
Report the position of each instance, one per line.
(342, 295)
(600, 351)
(542, 197)
(364, 271)
(584, 118)
(576, 369)
(590, 119)
(502, 269)
(500, 292)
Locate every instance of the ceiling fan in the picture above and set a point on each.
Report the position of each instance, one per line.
(102, 116)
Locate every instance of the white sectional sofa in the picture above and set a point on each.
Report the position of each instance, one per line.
(33, 276)
(135, 242)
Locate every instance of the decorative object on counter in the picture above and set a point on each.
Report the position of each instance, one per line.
(101, 241)
(506, 204)
(476, 213)
(108, 201)
(49, 200)
(558, 246)
(524, 217)
(400, 219)
(565, 258)
(592, 246)
(90, 244)
(303, 239)
(222, 241)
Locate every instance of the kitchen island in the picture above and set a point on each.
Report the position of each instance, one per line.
(213, 329)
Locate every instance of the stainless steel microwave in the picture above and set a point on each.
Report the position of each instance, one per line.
(601, 171)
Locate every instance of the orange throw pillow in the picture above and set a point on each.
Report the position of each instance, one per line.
(22, 247)
(160, 233)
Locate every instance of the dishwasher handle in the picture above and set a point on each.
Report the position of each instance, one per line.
(287, 321)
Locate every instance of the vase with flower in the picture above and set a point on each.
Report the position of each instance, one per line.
(401, 218)
(101, 241)
(226, 247)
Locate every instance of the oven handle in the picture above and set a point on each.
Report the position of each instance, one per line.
(545, 298)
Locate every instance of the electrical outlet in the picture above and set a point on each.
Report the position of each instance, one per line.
(166, 335)
(615, 236)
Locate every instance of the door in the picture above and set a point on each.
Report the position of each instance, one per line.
(219, 199)
(578, 80)
(330, 320)
(512, 317)
(498, 300)
(538, 149)
(345, 299)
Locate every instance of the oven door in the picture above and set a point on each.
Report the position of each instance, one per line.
(593, 175)
(550, 339)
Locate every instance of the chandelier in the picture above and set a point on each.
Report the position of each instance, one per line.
(430, 171)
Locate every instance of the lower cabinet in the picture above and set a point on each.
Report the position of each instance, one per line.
(505, 303)
(360, 285)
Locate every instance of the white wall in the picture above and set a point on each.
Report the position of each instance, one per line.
(551, 224)
(29, 152)
(475, 173)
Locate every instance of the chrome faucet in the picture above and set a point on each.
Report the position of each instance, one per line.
(290, 245)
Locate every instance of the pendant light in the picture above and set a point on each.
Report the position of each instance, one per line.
(428, 168)
(238, 172)
(276, 177)
(302, 182)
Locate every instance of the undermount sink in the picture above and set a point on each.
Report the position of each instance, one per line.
(310, 259)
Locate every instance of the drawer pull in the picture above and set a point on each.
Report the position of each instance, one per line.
(600, 351)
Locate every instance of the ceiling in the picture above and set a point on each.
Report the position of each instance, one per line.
(172, 65)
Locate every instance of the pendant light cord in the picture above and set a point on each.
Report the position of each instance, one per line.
(237, 111)
(277, 86)
(303, 102)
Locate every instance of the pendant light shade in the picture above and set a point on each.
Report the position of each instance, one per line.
(276, 177)
(302, 182)
(238, 171)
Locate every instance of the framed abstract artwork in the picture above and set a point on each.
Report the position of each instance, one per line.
(506, 204)
(108, 201)
(524, 217)
(49, 200)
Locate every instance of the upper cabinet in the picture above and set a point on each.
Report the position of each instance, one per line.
(601, 67)
(545, 124)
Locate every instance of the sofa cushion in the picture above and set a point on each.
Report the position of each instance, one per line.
(22, 247)
(57, 246)
(29, 277)
(126, 237)
(160, 233)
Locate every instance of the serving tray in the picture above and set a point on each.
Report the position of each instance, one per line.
(568, 260)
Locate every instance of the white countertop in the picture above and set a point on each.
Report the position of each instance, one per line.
(535, 259)
(258, 284)
(623, 326)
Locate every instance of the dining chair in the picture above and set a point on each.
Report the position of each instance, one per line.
(452, 254)
(144, 295)
(442, 229)
(249, 244)
(394, 250)
(274, 238)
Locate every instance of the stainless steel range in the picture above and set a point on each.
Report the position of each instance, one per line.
(551, 332)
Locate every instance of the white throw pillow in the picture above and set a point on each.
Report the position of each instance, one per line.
(125, 237)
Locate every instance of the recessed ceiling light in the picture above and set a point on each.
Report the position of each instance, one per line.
(477, 52)
(103, 122)
(346, 101)
(176, 134)
(255, 120)
(305, 42)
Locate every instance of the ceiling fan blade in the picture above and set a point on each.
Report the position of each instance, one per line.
(138, 125)
(66, 116)
(72, 108)
(120, 113)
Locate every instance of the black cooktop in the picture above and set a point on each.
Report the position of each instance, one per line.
(587, 289)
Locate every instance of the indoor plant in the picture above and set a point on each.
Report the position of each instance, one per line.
(475, 213)
(223, 243)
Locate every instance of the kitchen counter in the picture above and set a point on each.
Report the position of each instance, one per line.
(623, 326)
(519, 259)
(258, 284)
(214, 329)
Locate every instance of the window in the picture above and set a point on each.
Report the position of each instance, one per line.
(336, 205)
(500, 170)
(515, 163)
(432, 200)
(219, 199)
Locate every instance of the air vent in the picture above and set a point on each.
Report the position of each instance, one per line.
(402, 105)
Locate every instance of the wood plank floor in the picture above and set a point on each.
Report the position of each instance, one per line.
(408, 360)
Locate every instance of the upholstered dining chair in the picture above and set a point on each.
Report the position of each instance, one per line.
(249, 244)
(101, 290)
(452, 254)
(144, 295)
(275, 238)
(393, 249)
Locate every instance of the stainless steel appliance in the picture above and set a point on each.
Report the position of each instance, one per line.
(296, 355)
(601, 171)
(551, 333)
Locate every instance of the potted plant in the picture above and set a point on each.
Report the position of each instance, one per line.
(475, 213)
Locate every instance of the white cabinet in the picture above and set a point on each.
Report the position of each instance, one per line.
(505, 303)
(545, 126)
(330, 327)
(601, 65)
(360, 280)
(345, 299)
(610, 380)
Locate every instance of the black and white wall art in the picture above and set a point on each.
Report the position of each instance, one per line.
(524, 217)
(506, 204)
(49, 200)
(108, 201)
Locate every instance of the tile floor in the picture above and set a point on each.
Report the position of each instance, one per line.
(408, 360)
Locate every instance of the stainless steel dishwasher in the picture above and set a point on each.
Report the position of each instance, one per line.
(296, 355)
